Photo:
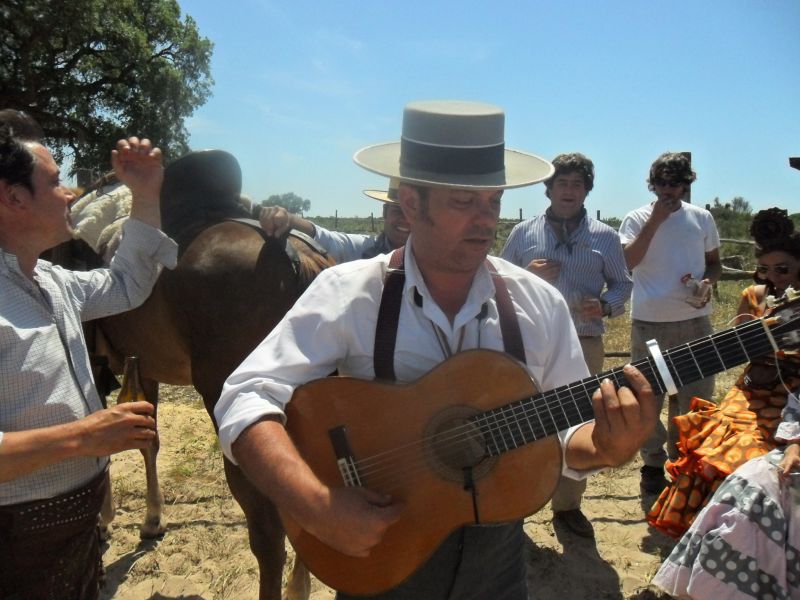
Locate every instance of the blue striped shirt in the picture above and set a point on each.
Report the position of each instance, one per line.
(594, 268)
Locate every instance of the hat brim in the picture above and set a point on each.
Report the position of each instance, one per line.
(381, 195)
(521, 169)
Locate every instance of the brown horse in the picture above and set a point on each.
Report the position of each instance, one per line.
(230, 288)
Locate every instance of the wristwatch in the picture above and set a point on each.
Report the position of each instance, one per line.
(606, 308)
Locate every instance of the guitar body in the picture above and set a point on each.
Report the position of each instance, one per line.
(413, 441)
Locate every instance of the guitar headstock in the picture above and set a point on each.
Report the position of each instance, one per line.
(784, 317)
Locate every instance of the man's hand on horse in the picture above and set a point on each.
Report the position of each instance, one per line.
(275, 221)
(624, 417)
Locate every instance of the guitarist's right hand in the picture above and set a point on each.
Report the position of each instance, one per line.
(351, 520)
(354, 520)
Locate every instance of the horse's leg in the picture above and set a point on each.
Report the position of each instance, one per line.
(298, 584)
(153, 525)
(107, 511)
(265, 532)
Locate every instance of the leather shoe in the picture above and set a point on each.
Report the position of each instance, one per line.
(653, 480)
(575, 521)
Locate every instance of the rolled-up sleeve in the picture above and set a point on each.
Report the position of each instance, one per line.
(305, 345)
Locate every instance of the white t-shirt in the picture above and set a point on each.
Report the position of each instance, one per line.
(678, 247)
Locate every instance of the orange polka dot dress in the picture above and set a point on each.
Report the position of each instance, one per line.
(714, 440)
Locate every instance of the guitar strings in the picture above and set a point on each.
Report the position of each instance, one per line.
(509, 438)
(511, 418)
(405, 470)
(569, 390)
(505, 417)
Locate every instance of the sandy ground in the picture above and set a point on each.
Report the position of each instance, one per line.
(204, 553)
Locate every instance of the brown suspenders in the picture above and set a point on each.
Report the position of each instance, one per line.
(389, 316)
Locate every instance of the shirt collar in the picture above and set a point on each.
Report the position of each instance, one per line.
(481, 291)
(8, 262)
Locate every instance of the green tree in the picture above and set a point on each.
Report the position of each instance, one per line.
(93, 71)
(613, 222)
(733, 222)
(290, 201)
(732, 218)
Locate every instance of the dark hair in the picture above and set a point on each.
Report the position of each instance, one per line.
(773, 231)
(572, 162)
(22, 124)
(671, 166)
(16, 158)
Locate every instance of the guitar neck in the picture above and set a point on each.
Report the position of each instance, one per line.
(535, 417)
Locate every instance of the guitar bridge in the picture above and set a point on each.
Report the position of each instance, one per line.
(345, 459)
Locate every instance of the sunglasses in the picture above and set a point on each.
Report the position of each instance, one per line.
(668, 183)
(779, 269)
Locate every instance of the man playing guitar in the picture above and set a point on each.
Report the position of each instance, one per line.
(453, 168)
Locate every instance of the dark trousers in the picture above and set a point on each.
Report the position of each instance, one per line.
(50, 549)
(473, 563)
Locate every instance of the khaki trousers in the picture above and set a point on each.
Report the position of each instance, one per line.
(668, 335)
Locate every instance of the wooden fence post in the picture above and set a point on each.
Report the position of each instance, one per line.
(688, 196)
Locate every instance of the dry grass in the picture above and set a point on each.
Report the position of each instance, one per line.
(205, 552)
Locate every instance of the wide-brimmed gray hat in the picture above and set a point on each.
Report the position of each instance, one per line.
(389, 196)
(454, 143)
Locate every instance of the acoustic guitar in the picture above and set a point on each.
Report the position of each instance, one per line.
(470, 442)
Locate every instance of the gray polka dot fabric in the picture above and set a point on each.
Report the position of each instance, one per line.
(744, 543)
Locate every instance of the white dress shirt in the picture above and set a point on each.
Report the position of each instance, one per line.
(332, 327)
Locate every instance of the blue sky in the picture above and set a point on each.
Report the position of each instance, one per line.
(301, 85)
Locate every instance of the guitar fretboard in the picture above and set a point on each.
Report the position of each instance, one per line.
(535, 417)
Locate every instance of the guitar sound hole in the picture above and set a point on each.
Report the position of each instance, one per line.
(455, 444)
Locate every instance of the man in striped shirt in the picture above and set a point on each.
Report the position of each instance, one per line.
(583, 259)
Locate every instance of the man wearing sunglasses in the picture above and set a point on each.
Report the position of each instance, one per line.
(667, 243)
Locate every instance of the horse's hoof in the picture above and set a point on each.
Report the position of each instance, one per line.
(152, 531)
(105, 532)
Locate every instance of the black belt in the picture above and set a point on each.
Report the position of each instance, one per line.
(38, 516)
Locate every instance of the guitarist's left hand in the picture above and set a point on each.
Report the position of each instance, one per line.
(624, 420)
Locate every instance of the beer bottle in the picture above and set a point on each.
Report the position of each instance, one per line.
(131, 390)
